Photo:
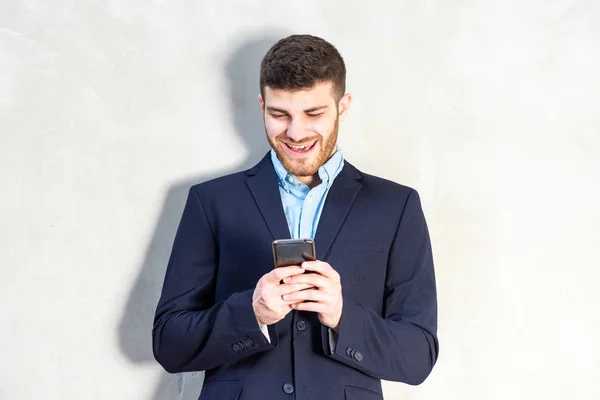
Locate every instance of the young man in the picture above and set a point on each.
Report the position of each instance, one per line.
(367, 312)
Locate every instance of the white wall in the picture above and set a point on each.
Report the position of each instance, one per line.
(110, 110)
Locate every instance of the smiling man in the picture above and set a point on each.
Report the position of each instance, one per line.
(368, 309)
(302, 134)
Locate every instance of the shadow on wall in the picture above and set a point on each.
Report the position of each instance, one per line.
(135, 331)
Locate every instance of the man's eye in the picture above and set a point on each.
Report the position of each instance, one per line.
(277, 116)
(315, 115)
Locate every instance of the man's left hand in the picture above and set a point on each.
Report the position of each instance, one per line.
(325, 298)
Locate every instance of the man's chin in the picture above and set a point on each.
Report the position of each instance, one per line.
(298, 168)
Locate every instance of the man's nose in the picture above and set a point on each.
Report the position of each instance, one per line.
(297, 130)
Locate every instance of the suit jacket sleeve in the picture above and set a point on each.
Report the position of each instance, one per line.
(190, 332)
(400, 345)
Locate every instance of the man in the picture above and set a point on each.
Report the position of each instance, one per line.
(367, 312)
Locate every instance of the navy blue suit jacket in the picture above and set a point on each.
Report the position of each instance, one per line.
(372, 231)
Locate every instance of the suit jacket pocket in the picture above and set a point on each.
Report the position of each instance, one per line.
(221, 390)
(357, 393)
(356, 261)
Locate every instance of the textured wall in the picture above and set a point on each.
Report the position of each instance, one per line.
(110, 110)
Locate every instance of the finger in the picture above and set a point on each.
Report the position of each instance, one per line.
(272, 296)
(291, 303)
(311, 279)
(322, 268)
(309, 294)
(294, 287)
(281, 273)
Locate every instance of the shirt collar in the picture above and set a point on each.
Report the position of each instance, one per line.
(327, 172)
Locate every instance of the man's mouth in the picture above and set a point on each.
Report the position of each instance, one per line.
(304, 148)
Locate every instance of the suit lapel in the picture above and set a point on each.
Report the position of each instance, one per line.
(263, 184)
(337, 205)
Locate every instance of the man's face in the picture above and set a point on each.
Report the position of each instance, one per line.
(302, 126)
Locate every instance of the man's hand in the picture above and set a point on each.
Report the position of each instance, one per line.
(324, 295)
(267, 300)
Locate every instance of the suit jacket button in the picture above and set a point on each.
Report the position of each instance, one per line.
(301, 325)
(236, 347)
(358, 356)
(248, 342)
(288, 388)
(349, 351)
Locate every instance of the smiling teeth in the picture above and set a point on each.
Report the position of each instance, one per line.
(299, 147)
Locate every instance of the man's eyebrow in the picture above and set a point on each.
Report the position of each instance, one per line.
(313, 109)
(308, 110)
(275, 109)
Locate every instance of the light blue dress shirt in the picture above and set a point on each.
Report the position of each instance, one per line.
(302, 205)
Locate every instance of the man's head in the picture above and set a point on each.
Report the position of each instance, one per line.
(302, 84)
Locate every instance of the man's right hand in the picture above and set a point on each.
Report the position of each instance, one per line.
(267, 301)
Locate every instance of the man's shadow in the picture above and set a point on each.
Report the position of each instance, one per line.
(135, 330)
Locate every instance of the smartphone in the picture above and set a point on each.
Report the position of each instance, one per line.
(288, 252)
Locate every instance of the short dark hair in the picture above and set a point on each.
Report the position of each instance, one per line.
(300, 62)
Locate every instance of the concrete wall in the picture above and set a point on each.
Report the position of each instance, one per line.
(110, 110)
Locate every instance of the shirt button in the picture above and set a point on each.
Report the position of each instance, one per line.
(291, 180)
(301, 325)
(309, 199)
(288, 388)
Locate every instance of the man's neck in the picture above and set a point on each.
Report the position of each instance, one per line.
(310, 181)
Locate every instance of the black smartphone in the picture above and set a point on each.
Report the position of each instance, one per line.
(288, 252)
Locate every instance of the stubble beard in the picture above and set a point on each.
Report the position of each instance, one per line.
(307, 167)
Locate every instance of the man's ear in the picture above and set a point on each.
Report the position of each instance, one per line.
(262, 103)
(344, 106)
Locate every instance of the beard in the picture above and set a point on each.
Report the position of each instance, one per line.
(308, 166)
